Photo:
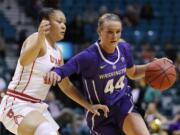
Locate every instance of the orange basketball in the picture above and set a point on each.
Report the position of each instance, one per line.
(160, 74)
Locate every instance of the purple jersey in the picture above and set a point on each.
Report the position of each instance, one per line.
(103, 75)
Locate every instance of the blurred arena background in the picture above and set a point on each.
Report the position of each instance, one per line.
(151, 26)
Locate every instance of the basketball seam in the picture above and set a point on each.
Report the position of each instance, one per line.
(147, 70)
(152, 70)
(159, 66)
(166, 76)
(162, 81)
(159, 74)
(168, 79)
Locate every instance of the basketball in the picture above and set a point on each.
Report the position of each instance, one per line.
(160, 74)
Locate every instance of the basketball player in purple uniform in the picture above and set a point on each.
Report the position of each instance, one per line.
(104, 67)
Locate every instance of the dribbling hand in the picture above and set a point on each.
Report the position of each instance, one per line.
(51, 78)
(164, 58)
(95, 109)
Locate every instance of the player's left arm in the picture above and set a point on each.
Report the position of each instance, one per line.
(136, 71)
(133, 71)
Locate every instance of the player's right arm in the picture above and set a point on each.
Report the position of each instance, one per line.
(78, 64)
(34, 44)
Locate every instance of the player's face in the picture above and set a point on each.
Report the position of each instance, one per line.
(110, 33)
(58, 27)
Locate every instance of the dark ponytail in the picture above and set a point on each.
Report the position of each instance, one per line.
(45, 13)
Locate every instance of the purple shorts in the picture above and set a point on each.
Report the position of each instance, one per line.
(99, 125)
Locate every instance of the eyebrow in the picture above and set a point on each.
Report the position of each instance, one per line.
(61, 20)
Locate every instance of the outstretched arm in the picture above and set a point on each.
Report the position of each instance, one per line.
(136, 71)
(73, 66)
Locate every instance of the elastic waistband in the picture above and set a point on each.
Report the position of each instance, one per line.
(22, 96)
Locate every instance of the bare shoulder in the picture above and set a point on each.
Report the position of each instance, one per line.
(30, 38)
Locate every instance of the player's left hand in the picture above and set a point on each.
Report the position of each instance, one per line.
(165, 59)
(95, 109)
(51, 78)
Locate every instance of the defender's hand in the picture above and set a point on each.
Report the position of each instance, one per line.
(52, 78)
(95, 109)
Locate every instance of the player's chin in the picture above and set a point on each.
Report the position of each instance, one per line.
(114, 44)
(60, 37)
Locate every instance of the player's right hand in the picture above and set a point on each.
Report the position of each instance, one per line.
(95, 109)
(51, 78)
(44, 27)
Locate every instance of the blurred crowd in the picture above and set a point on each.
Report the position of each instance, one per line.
(162, 109)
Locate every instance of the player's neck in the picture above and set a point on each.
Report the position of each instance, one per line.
(107, 49)
(50, 41)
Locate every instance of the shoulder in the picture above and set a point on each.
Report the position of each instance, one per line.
(30, 38)
(124, 44)
(87, 55)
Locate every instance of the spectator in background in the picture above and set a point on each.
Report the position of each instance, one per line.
(66, 121)
(51, 3)
(3, 64)
(75, 32)
(80, 126)
(138, 93)
(2, 49)
(21, 39)
(147, 12)
(154, 118)
(103, 9)
(118, 12)
(90, 15)
(163, 132)
(34, 7)
(38, 5)
(2, 84)
(174, 127)
(148, 53)
(177, 64)
(170, 51)
(132, 14)
(151, 95)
